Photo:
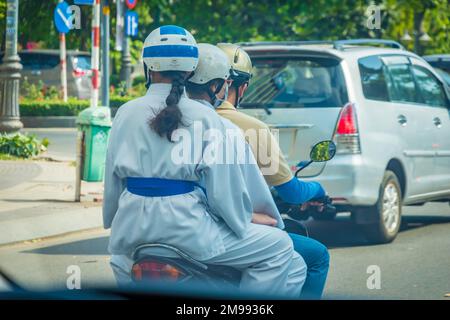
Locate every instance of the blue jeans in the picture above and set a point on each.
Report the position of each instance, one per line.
(317, 260)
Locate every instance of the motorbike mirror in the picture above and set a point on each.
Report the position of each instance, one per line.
(323, 151)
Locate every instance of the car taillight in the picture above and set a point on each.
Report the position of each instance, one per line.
(154, 270)
(79, 73)
(346, 135)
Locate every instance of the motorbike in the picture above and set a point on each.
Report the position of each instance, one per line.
(159, 261)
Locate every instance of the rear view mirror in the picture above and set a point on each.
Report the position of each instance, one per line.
(323, 151)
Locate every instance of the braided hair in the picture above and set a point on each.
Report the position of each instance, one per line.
(170, 118)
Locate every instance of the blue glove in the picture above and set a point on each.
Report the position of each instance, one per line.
(298, 192)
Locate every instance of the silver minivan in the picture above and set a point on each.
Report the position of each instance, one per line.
(386, 108)
(44, 65)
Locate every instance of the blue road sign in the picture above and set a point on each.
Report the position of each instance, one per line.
(62, 17)
(88, 2)
(131, 23)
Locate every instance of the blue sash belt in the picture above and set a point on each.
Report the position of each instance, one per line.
(157, 187)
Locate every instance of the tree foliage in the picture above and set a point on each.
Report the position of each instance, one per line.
(250, 20)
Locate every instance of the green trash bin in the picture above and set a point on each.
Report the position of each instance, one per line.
(95, 124)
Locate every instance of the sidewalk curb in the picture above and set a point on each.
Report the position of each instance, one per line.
(49, 121)
(51, 225)
(52, 237)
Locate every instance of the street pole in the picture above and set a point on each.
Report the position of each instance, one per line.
(125, 70)
(10, 73)
(105, 53)
(95, 59)
(418, 30)
(63, 59)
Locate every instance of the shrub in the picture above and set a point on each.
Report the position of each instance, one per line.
(32, 91)
(47, 108)
(52, 107)
(22, 145)
(51, 93)
(38, 91)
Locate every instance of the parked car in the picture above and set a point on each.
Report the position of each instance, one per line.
(386, 109)
(441, 63)
(44, 65)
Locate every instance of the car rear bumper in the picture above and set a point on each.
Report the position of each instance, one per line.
(351, 180)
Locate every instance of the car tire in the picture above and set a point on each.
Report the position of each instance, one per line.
(387, 212)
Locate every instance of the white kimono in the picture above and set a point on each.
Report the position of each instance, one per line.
(214, 228)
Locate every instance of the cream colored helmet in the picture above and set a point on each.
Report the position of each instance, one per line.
(241, 64)
(212, 64)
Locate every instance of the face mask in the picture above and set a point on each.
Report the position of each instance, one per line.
(218, 101)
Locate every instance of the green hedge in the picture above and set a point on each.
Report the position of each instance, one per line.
(59, 108)
(52, 107)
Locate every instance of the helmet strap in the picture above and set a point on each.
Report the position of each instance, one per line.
(238, 97)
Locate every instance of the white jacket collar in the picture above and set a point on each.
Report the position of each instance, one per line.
(162, 89)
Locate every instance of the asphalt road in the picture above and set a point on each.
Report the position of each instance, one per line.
(62, 141)
(414, 266)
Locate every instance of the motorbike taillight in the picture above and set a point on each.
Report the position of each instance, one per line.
(154, 270)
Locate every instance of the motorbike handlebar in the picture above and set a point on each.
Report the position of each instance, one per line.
(327, 203)
(294, 210)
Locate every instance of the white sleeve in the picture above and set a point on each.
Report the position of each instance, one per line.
(260, 195)
(226, 192)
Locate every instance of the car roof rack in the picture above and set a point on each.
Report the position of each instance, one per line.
(337, 44)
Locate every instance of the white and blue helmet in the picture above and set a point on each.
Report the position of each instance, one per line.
(170, 48)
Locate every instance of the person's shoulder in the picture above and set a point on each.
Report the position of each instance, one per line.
(124, 108)
(135, 101)
(199, 112)
(229, 124)
(251, 122)
(188, 102)
(243, 120)
(129, 107)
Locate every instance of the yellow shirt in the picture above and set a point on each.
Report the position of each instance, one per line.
(265, 147)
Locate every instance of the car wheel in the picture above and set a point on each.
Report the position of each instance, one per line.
(387, 211)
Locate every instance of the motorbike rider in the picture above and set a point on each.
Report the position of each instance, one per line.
(200, 206)
(209, 86)
(289, 188)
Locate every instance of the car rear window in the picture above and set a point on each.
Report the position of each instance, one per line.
(304, 82)
(38, 61)
(81, 62)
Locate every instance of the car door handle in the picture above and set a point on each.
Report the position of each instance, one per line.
(437, 122)
(402, 120)
(291, 126)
